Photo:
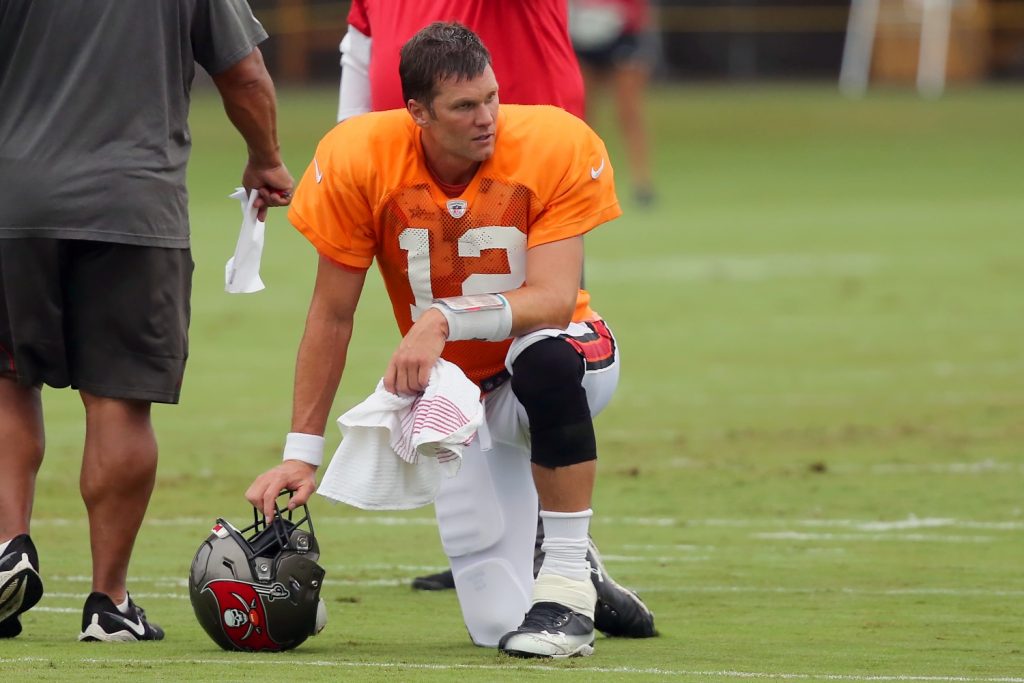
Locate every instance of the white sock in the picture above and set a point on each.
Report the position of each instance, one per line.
(123, 607)
(565, 544)
(3, 546)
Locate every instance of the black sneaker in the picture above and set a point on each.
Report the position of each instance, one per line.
(550, 630)
(101, 620)
(20, 585)
(440, 581)
(619, 611)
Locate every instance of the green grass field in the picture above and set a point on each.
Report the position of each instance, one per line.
(813, 469)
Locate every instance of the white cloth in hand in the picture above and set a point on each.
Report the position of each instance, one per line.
(395, 448)
(242, 271)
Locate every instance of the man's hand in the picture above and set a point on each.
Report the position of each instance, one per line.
(409, 368)
(251, 104)
(274, 184)
(292, 475)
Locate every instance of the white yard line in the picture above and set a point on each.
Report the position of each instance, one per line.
(293, 663)
(657, 559)
(979, 467)
(857, 524)
(892, 592)
(403, 581)
(860, 538)
(208, 522)
(911, 522)
(661, 547)
(48, 595)
(733, 267)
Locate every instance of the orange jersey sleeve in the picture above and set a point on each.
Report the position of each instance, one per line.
(369, 196)
(567, 166)
(336, 199)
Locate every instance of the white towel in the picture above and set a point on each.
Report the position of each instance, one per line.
(242, 271)
(394, 449)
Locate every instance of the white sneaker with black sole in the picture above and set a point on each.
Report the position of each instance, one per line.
(20, 585)
(550, 630)
(103, 621)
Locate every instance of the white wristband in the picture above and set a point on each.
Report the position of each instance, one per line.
(476, 316)
(305, 447)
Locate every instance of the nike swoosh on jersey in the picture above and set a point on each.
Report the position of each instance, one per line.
(319, 175)
(137, 627)
(595, 173)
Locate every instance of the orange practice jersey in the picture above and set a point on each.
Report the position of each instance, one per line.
(368, 194)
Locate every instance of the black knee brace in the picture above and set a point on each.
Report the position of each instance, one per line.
(546, 378)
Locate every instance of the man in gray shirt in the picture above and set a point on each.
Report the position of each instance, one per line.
(95, 267)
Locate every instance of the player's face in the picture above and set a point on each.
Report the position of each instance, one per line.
(465, 117)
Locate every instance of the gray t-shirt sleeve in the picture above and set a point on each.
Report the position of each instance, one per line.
(223, 33)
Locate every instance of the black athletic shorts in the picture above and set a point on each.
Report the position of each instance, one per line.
(110, 319)
(623, 49)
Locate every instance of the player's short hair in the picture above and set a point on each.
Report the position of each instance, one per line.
(439, 51)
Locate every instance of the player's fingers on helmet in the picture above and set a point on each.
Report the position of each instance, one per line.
(254, 494)
(272, 487)
(268, 502)
(301, 495)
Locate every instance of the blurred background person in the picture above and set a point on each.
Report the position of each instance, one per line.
(616, 49)
(533, 56)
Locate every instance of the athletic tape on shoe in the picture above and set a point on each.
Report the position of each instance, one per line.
(476, 316)
(305, 447)
(579, 596)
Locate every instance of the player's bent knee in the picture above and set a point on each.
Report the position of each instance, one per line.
(547, 379)
(486, 517)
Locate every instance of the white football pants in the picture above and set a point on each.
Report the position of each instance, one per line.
(487, 513)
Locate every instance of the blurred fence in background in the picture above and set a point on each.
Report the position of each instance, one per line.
(727, 39)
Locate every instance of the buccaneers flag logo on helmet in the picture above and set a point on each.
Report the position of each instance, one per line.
(243, 615)
(258, 588)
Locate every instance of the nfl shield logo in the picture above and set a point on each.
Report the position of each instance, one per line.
(457, 207)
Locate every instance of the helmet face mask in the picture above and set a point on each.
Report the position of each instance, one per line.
(258, 588)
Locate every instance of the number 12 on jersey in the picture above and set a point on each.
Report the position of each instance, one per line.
(416, 243)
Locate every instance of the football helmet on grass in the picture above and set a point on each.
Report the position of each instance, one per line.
(258, 588)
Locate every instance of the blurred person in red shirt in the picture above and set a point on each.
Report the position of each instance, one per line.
(533, 56)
